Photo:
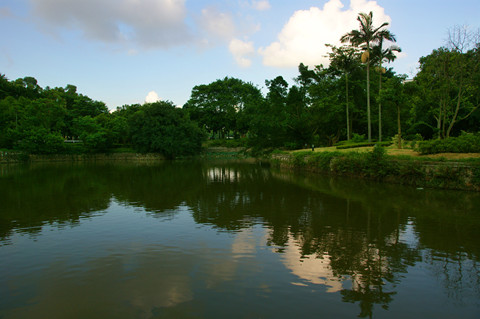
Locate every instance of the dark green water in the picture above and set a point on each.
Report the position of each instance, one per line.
(231, 240)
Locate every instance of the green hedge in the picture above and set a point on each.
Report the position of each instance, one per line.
(465, 143)
(363, 144)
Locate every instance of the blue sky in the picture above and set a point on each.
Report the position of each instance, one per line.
(121, 51)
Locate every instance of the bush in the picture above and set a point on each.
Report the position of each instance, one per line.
(41, 141)
(356, 138)
(227, 143)
(416, 139)
(364, 144)
(465, 143)
(322, 160)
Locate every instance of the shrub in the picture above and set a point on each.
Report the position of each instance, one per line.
(356, 138)
(41, 141)
(227, 143)
(465, 143)
(364, 144)
(322, 160)
(416, 139)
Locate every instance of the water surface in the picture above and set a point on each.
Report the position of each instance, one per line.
(231, 240)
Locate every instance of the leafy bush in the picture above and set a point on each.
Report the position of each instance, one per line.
(416, 139)
(292, 146)
(364, 144)
(465, 143)
(322, 160)
(356, 138)
(227, 143)
(41, 141)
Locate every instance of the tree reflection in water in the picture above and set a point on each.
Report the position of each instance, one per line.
(354, 238)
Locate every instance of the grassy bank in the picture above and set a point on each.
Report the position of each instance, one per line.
(16, 157)
(447, 171)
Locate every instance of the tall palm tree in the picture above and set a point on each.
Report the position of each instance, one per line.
(365, 37)
(381, 55)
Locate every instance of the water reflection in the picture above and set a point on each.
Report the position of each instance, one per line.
(315, 268)
(168, 239)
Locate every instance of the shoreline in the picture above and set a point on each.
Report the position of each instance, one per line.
(13, 157)
(417, 173)
(420, 173)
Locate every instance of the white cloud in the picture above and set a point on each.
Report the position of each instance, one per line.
(304, 36)
(241, 50)
(152, 97)
(261, 5)
(147, 23)
(217, 25)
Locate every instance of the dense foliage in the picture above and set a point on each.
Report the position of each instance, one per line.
(324, 106)
(465, 143)
(59, 120)
(328, 104)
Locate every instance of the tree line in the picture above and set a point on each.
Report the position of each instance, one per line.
(356, 97)
(60, 120)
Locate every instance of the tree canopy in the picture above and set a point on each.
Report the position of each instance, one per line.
(323, 106)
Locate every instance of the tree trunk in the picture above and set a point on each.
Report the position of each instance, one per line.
(399, 125)
(348, 118)
(439, 120)
(380, 108)
(369, 121)
(454, 119)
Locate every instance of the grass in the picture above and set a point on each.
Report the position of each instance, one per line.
(407, 153)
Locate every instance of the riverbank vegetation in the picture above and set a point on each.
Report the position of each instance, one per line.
(356, 99)
(387, 165)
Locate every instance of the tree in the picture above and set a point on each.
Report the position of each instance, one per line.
(449, 84)
(345, 60)
(217, 106)
(364, 38)
(393, 93)
(162, 128)
(381, 55)
(268, 122)
(326, 111)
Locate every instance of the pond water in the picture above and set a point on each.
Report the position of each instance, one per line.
(231, 240)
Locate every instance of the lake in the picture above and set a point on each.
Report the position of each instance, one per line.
(231, 240)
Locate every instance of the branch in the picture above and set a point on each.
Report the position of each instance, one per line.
(473, 110)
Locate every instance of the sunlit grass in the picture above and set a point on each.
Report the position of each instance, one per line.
(395, 151)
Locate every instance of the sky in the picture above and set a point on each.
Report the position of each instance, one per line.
(135, 51)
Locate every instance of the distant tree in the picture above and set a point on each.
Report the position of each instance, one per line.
(219, 106)
(160, 127)
(344, 60)
(327, 111)
(364, 38)
(268, 127)
(393, 92)
(382, 55)
(449, 84)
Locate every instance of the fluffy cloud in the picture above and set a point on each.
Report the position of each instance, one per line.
(304, 36)
(261, 5)
(217, 25)
(147, 23)
(152, 97)
(241, 51)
